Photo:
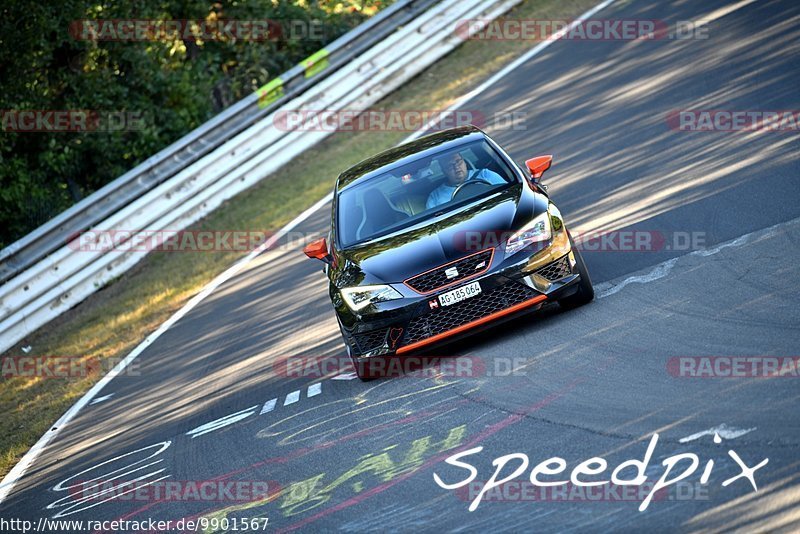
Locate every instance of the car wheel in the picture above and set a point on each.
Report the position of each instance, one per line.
(585, 292)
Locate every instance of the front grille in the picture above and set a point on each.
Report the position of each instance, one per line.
(556, 271)
(372, 340)
(436, 278)
(467, 311)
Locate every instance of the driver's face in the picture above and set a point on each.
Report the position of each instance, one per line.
(455, 168)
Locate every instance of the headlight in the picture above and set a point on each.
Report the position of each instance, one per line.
(536, 231)
(359, 298)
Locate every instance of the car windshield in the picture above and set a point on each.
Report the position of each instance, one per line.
(420, 189)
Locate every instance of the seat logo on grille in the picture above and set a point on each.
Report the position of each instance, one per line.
(452, 272)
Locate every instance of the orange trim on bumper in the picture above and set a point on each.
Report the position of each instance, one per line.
(473, 324)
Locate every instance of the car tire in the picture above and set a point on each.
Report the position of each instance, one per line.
(363, 373)
(585, 292)
(362, 369)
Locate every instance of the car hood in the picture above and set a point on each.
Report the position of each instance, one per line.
(442, 239)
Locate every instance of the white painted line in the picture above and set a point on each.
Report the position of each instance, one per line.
(292, 397)
(101, 399)
(16, 473)
(315, 389)
(722, 431)
(268, 406)
(222, 422)
(345, 376)
(662, 269)
(13, 476)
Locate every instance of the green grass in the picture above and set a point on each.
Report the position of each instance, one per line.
(114, 320)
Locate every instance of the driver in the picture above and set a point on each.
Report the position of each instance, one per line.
(455, 169)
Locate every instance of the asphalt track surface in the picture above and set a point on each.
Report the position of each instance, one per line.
(596, 381)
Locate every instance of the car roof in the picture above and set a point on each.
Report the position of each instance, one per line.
(407, 152)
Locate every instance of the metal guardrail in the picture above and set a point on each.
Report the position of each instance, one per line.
(68, 275)
(232, 121)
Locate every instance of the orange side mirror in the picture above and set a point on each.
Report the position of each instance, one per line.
(317, 249)
(537, 166)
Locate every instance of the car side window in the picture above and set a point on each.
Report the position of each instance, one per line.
(350, 214)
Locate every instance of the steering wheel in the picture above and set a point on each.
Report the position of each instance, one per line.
(476, 181)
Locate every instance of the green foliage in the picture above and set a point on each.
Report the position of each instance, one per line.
(172, 85)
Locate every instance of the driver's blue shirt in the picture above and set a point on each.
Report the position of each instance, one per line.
(444, 192)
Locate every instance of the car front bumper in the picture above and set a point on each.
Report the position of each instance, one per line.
(517, 284)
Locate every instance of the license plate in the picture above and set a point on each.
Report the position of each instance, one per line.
(462, 293)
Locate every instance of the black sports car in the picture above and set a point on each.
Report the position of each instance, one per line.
(437, 237)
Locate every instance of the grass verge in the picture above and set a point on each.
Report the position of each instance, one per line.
(110, 323)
